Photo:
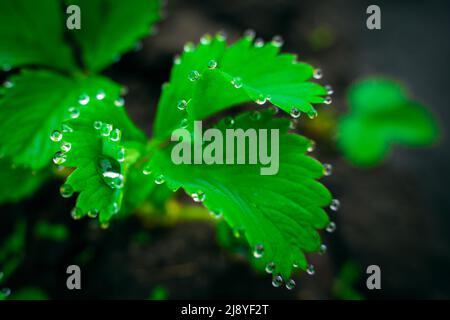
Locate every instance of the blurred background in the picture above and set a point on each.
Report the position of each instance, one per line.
(396, 215)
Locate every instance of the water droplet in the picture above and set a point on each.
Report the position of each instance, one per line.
(84, 99)
(249, 34)
(323, 249)
(310, 270)
(189, 47)
(93, 213)
(59, 158)
(104, 225)
(100, 95)
(317, 74)
(229, 121)
(66, 128)
(277, 41)
(327, 100)
(182, 104)
(147, 169)
(277, 281)
(206, 39)
(120, 102)
(270, 267)
(106, 129)
(56, 136)
(76, 213)
(331, 227)
(160, 179)
(212, 64)
(335, 204)
(261, 99)
(8, 84)
(5, 292)
(221, 35)
(121, 155)
(238, 232)
(114, 208)
(311, 146)
(255, 115)
(116, 135)
(184, 123)
(273, 109)
(295, 113)
(98, 125)
(74, 112)
(327, 169)
(258, 251)
(176, 59)
(237, 82)
(329, 89)
(290, 284)
(198, 196)
(193, 75)
(216, 214)
(66, 146)
(259, 43)
(66, 190)
(109, 169)
(312, 114)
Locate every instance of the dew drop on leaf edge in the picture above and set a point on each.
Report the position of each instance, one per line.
(258, 251)
(277, 281)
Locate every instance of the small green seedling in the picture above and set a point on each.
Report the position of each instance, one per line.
(63, 110)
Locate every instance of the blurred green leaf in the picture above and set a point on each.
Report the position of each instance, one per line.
(109, 28)
(343, 287)
(159, 293)
(380, 115)
(18, 183)
(32, 33)
(28, 293)
(51, 231)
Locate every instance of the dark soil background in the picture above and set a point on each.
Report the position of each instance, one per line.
(396, 216)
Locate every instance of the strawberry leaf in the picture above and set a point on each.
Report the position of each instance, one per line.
(101, 144)
(33, 104)
(278, 214)
(213, 76)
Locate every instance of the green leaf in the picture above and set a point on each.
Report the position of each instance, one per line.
(18, 183)
(52, 231)
(109, 28)
(33, 105)
(281, 212)
(381, 114)
(29, 293)
(32, 33)
(102, 144)
(227, 76)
